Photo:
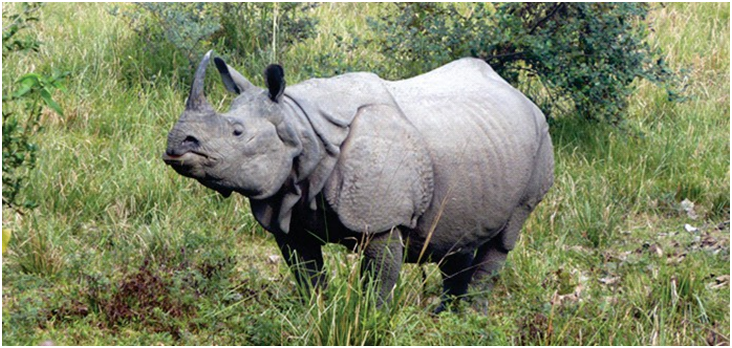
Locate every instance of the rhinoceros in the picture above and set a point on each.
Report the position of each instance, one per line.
(443, 167)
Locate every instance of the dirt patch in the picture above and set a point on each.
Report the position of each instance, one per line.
(156, 295)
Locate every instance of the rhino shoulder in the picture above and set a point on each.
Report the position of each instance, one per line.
(384, 176)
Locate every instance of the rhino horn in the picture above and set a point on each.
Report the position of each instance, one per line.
(196, 99)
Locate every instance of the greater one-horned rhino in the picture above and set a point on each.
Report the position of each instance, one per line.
(444, 167)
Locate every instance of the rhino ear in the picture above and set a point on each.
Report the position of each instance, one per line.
(233, 80)
(384, 175)
(274, 77)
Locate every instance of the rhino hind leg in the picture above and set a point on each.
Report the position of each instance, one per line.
(488, 261)
(491, 256)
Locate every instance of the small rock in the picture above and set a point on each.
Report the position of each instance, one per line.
(690, 228)
(688, 207)
(609, 280)
(723, 279)
(720, 282)
(273, 259)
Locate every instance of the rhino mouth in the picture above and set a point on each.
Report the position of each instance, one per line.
(171, 156)
(188, 164)
(191, 164)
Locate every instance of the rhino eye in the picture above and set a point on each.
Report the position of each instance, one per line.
(238, 130)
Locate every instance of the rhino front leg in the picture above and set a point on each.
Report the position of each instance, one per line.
(383, 257)
(456, 273)
(305, 261)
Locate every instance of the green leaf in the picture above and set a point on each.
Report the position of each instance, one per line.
(30, 79)
(22, 91)
(46, 95)
(6, 239)
(27, 83)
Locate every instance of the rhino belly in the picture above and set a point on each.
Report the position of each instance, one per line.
(482, 162)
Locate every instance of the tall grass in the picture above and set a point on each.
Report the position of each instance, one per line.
(605, 259)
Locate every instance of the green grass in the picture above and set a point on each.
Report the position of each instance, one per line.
(604, 260)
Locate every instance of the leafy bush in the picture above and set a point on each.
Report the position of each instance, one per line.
(184, 27)
(581, 56)
(245, 30)
(254, 28)
(22, 107)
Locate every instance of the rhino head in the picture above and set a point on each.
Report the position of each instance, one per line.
(249, 149)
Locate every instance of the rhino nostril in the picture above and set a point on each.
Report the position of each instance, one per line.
(190, 141)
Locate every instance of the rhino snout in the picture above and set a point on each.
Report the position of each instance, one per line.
(179, 148)
(190, 141)
(185, 155)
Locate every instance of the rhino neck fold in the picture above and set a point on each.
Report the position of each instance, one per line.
(313, 147)
(320, 111)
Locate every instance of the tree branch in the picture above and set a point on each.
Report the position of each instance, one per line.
(551, 14)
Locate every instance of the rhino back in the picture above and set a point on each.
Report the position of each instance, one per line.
(483, 136)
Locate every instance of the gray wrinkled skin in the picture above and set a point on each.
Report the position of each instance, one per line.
(443, 167)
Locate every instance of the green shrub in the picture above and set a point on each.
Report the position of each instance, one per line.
(263, 28)
(184, 27)
(581, 57)
(245, 32)
(23, 102)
